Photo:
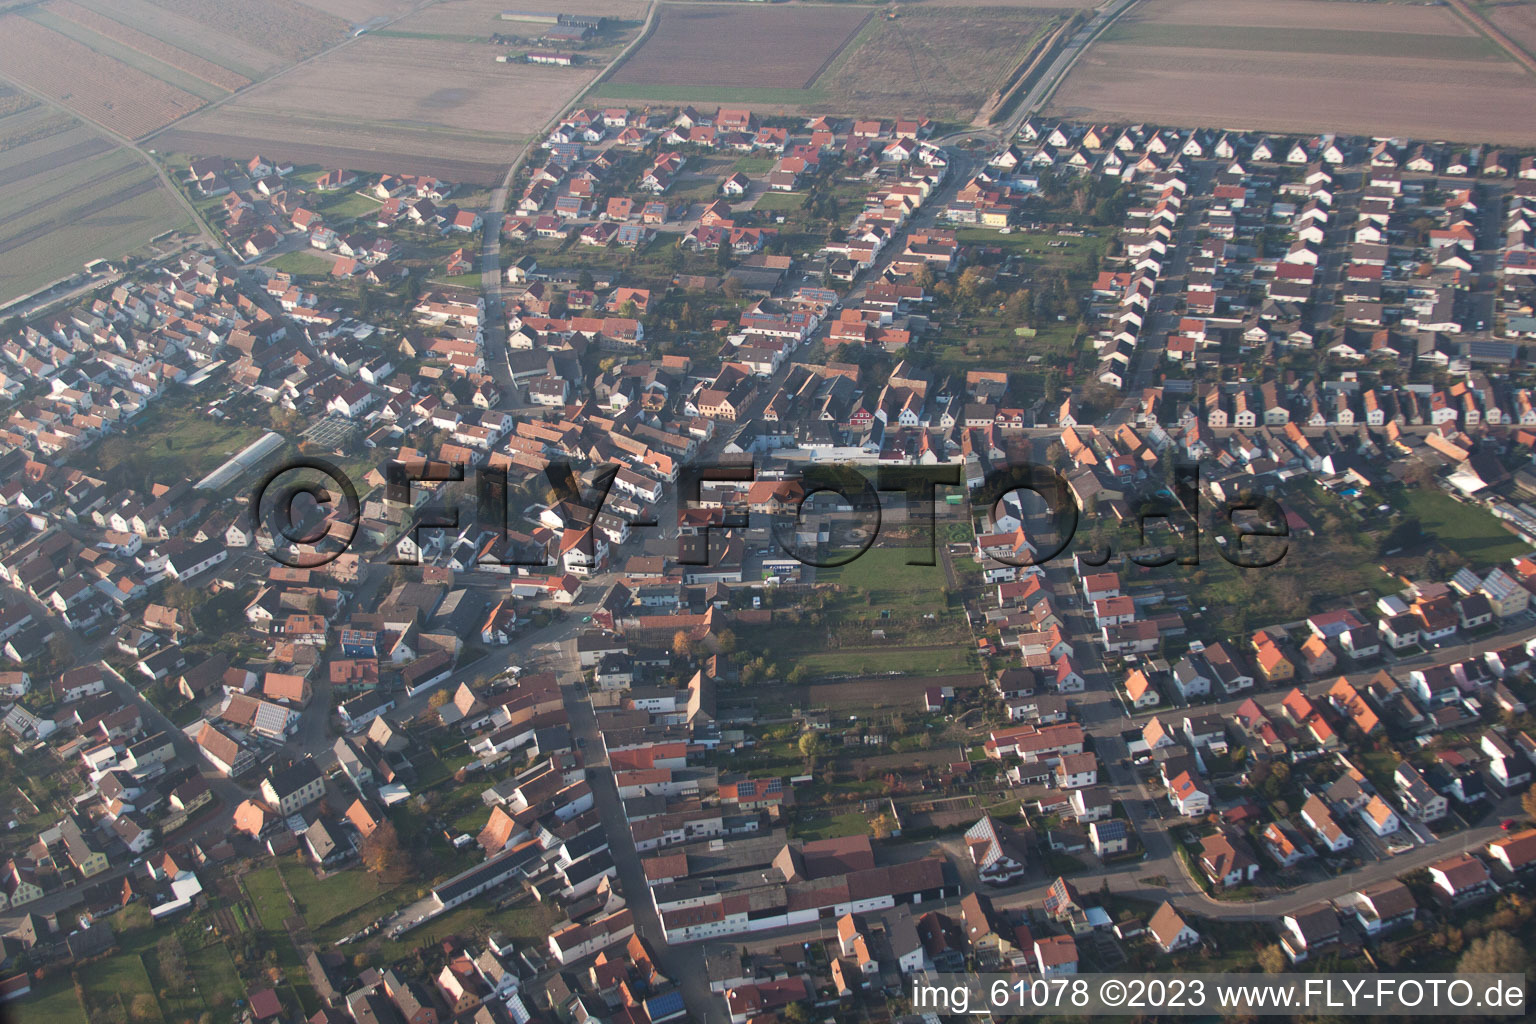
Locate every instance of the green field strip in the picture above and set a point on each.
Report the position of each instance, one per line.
(19, 202)
(40, 122)
(50, 159)
(151, 66)
(43, 146)
(1307, 40)
(47, 203)
(706, 94)
(255, 63)
(285, 125)
(442, 37)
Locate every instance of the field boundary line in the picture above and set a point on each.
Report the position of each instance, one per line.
(1030, 65)
(847, 41)
(1492, 31)
(124, 142)
(652, 19)
(1050, 90)
(280, 72)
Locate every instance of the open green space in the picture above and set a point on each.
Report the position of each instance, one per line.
(944, 660)
(171, 440)
(265, 888)
(1467, 530)
(706, 94)
(1304, 40)
(1037, 248)
(301, 263)
(54, 1001)
(754, 164)
(122, 980)
(528, 923)
(459, 281)
(322, 901)
(339, 207)
(217, 981)
(779, 202)
(884, 575)
(823, 825)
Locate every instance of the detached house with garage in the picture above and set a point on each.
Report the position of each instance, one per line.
(1516, 854)
(1461, 879)
(1227, 860)
(1170, 931)
(1321, 821)
(996, 850)
(1381, 907)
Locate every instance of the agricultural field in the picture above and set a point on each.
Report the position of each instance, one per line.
(1303, 66)
(1087, 5)
(288, 30)
(1516, 19)
(70, 196)
(207, 70)
(359, 12)
(244, 52)
(744, 47)
(939, 59)
(101, 88)
(943, 62)
(420, 97)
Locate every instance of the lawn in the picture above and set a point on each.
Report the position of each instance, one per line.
(121, 979)
(54, 1001)
(265, 888)
(946, 660)
(884, 575)
(322, 901)
(459, 280)
(1465, 530)
(821, 825)
(779, 202)
(170, 441)
(302, 263)
(217, 981)
(346, 206)
(754, 164)
(529, 923)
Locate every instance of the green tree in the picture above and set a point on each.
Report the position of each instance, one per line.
(810, 745)
(1272, 959)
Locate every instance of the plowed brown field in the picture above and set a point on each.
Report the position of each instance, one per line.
(97, 87)
(742, 46)
(1303, 66)
(176, 57)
